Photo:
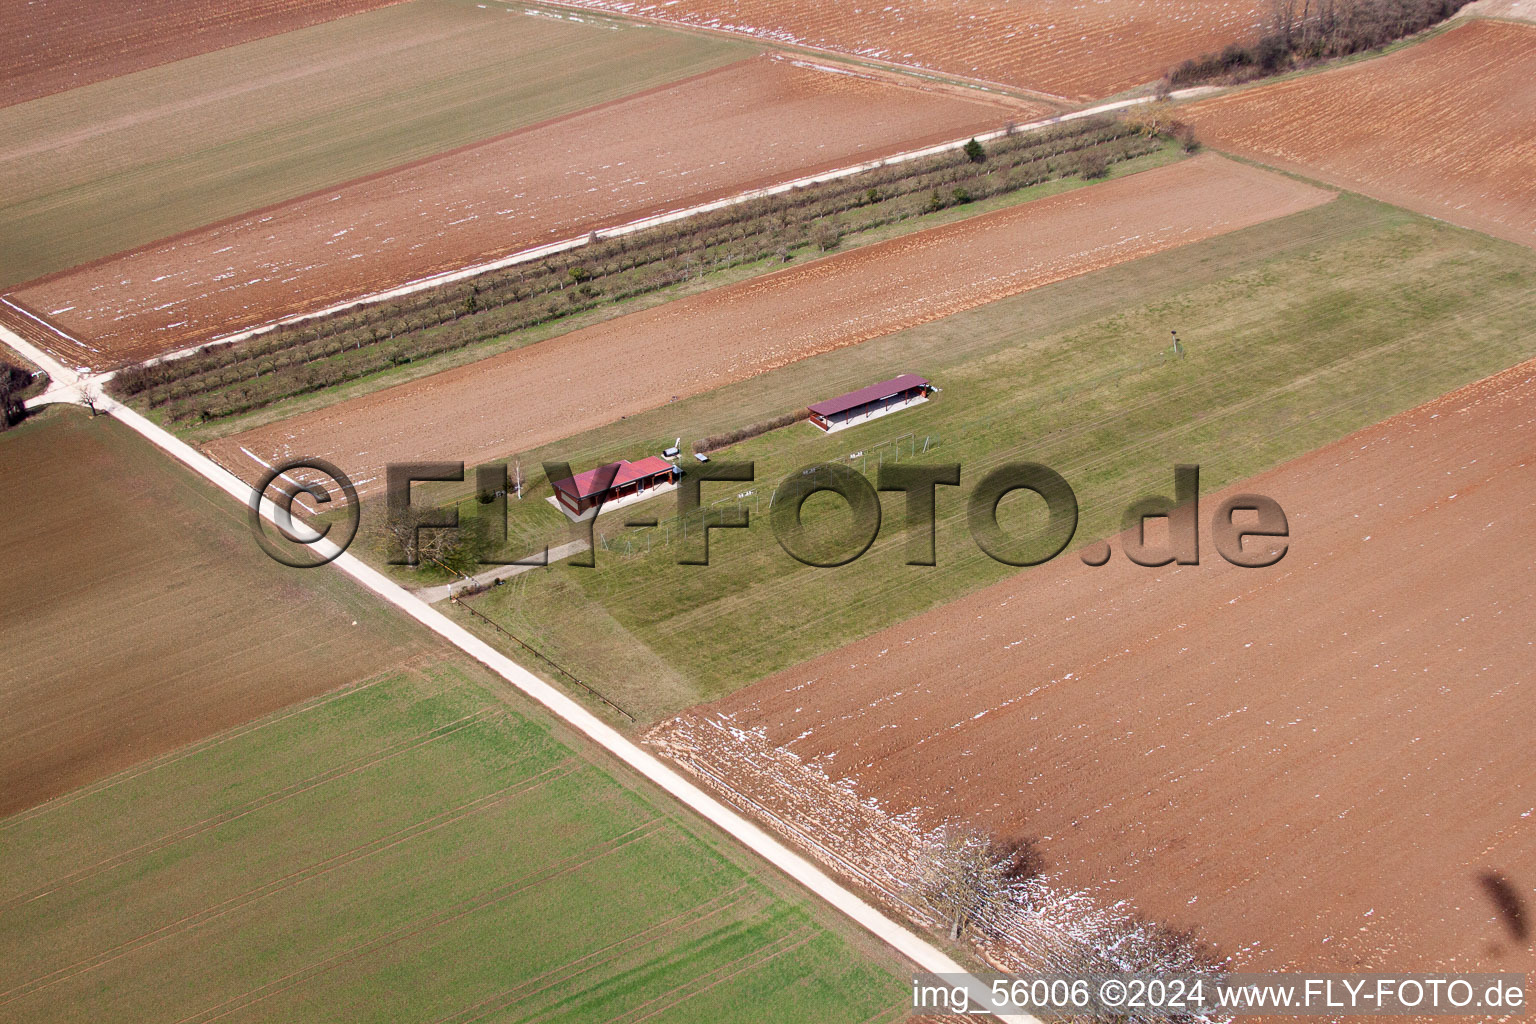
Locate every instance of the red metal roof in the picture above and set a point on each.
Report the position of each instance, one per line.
(588, 484)
(873, 393)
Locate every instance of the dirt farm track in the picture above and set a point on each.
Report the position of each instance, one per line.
(593, 376)
(1069, 48)
(1312, 764)
(47, 46)
(1446, 127)
(605, 165)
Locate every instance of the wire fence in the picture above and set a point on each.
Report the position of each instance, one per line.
(499, 628)
(648, 535)
(642, 540)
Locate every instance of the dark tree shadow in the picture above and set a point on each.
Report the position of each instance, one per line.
(1506, 900)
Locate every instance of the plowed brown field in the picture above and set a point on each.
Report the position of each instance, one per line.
(543, 392)
(743, 126)
(141, 616)
(1525, 10)
(1067, 48)
(1446, 128)
(47, 46)
(1312, 764)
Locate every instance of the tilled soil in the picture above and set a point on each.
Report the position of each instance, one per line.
(47, 46)
(1445, 128)
(1315, 765)
(540, 393)
(143, 617)
(744, 126)
(1062, 47)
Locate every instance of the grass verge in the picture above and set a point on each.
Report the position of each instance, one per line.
(1296, 332)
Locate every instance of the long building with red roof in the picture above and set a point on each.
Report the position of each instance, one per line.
(869, 402)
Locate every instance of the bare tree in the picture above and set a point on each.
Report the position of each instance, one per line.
(90, 395)
(420, 543)
(1303, 24)
(456, 550)
(968, 876)
(403, 533)
(1285, 19)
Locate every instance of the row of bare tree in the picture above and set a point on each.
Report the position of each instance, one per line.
(976, 885)
(1303, 31)
(1329, 27)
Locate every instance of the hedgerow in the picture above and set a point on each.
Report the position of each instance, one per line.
(1314, 30)
(232, 379)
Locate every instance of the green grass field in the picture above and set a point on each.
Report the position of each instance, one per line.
(900, 212)
(96, 170)
(140, 614)
(409, 848)
(1298, 331)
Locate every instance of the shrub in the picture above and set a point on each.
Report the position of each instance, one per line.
(371, 339)
(826, 235)
(715, 442)
(13, 380)
(1092, 164)
(1270, 53)
(131, 380)
(975, 152)
(1151, 118)
(1347, 27)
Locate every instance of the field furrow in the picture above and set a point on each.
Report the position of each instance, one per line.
(1446, 127)
(1159, 759)
(644, 360)
(1067, 48)
(596, 168)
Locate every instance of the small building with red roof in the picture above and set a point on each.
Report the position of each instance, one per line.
(613, 482)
